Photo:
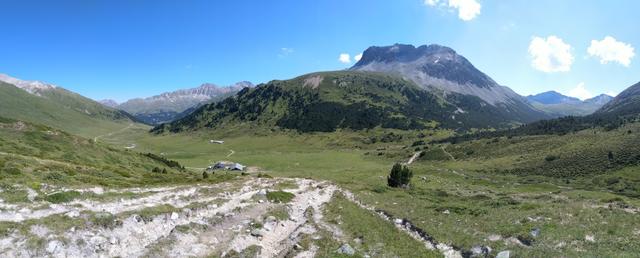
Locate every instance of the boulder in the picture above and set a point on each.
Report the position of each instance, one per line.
(504, 254)
(535, 232)
(480, 251)
(54, 246)
(346, 249)
(257, 233)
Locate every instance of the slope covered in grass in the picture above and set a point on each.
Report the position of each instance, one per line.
(31, 153)
(61, 109)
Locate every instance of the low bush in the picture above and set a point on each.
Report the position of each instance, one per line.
(279, 196)
(61, 197)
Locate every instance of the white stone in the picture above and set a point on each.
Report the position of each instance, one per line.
(54, 246)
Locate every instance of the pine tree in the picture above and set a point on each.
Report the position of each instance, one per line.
(400, 176)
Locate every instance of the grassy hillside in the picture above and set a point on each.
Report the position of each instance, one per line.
(61, 109)
(32, 154)
(325, 102)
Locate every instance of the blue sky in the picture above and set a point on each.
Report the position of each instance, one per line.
(123, 49)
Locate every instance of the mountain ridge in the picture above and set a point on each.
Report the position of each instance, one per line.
(437, 68)
(168, 106)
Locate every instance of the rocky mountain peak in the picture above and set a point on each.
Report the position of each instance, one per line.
(108, 102)
(32, 87)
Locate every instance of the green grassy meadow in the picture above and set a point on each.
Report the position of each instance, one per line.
(460, 197)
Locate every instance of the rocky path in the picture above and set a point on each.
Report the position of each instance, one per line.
(203, 220)
(95, 139)
(194, 221)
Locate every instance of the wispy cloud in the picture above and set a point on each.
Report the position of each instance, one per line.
(285, 51)
(550, 54)
(611, 50)
(467, 9)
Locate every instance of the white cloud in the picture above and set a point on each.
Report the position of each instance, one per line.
(344, 58)
(550, 54)
(611, 50)
(357, 57)
(612, 93)
(431, 2)
(580, 92)
(467, 9)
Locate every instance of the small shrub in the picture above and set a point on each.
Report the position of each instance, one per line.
(262, 175)
(279, 196)
(61, 197)
(13, 171)
(379, 189)
(417, 143)
(400, 176)
(104, 219)
(550, 158)
(205, 175)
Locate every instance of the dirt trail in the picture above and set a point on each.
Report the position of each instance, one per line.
(413, 158)
(95, 139)
(448, 154)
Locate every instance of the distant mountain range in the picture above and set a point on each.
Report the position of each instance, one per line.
(109, 103)
(559, 105)
(397, 86)
(440, 70)
(51, 105)
(169, 106)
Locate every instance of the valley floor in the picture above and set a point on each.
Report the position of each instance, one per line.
(455, 206)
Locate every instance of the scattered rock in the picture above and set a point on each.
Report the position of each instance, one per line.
(113, 240)
(269, 226)
(494, 238)
(257, 233)
(480, 251)
(270, 219)
(174, 216)
(590, 238)
(446, 212)
(39, 230)
(535, 232)
(397, 221)
(346, 249)
(72, 214)
(54, 246)
(504, 254)
(297, 247)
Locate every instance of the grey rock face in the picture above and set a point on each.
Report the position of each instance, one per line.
(436, 67)
(444, 72)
